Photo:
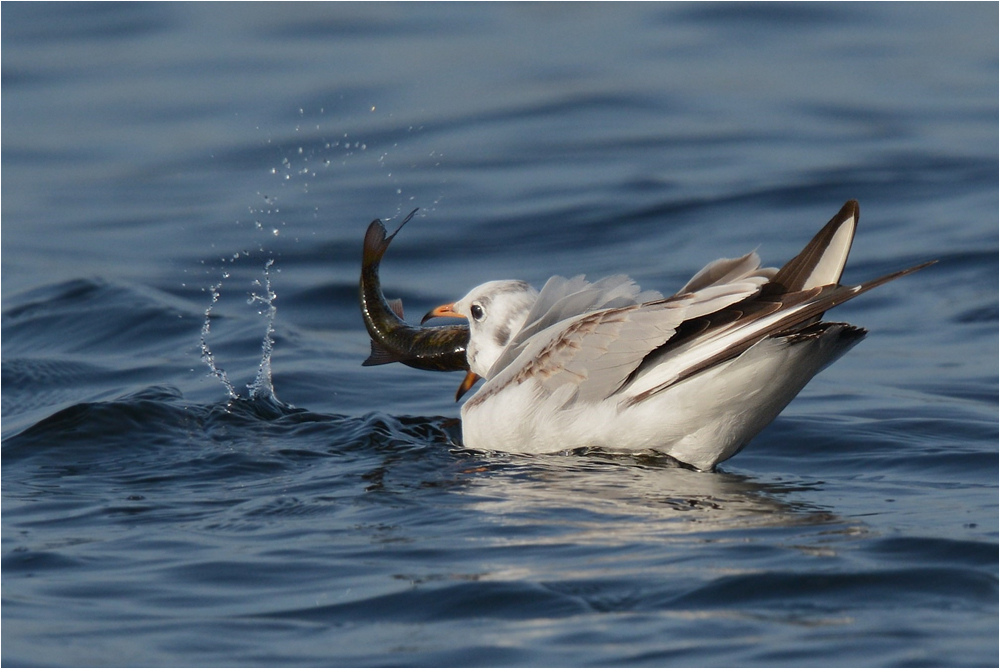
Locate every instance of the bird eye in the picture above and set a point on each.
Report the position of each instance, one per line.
(477, 312)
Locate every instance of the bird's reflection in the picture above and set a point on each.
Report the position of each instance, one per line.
(610, 498)
(590, 496)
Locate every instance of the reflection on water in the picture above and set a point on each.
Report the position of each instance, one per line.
(610, 499)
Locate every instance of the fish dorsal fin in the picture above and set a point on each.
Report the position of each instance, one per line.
(397, 308)
(380, 356)
(822, 261)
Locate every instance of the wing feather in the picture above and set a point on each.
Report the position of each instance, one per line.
(762, 317)
(823, 259)
(562, 299)
(729, 270)
(586, 342)
(597, 351)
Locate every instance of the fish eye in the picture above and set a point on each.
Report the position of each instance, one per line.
(477, 312)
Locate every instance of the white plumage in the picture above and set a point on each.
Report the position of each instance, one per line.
(695, 375)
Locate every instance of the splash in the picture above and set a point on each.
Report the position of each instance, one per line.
(318, 153)
(206, 352)
(262, 388)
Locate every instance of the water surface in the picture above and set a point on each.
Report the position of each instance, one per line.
(155, 155)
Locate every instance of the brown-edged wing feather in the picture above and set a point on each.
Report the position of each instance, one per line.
(823, 259)
(737, 328)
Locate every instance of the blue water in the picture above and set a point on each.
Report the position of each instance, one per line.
(155, 154)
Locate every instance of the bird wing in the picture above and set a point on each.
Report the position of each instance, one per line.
(595, 352)
(704, 342)
(638, 349)
(728, 270)
(820, 263)
(823, 259)
(562, 299)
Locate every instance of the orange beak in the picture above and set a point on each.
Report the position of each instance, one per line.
(444, 311)
(467, 383)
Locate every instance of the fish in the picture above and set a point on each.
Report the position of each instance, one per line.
(439, 348)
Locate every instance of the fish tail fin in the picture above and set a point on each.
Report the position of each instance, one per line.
(376, 241)
(822, 261)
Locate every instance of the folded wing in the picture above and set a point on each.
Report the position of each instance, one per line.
(607, 339)
(597, 351)
(563, 299)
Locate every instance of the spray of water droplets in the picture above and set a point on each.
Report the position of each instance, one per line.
(316, 155)
(262, 388)
(206, 353)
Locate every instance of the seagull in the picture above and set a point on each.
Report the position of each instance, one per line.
(695, 376)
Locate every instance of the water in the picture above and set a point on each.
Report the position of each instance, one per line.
(162, 161)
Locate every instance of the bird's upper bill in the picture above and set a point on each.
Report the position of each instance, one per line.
(444, 311)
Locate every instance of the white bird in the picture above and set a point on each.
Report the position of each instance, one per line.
(695, 376)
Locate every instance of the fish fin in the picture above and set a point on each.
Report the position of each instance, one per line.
(405, 221)
(376, 241)
(822, 261)
(380, 356)
(397, 308)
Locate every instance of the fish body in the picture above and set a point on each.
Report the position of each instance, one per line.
(440, 349)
